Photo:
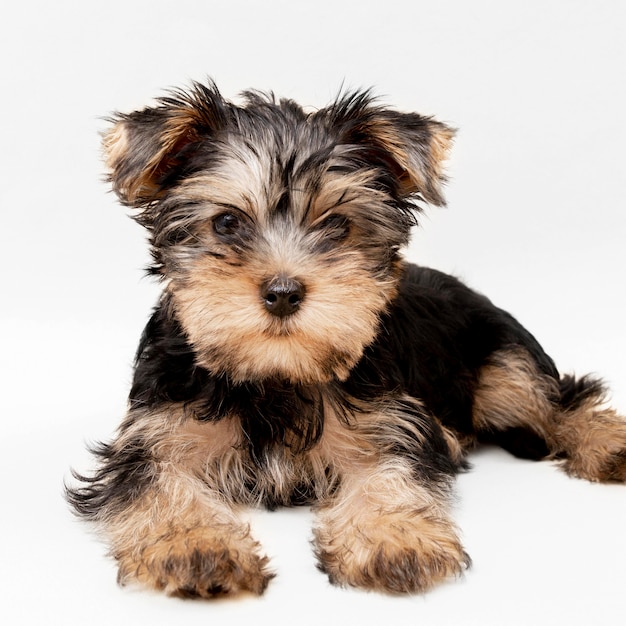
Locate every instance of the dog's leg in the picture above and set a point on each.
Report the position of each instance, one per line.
(157, 499)
(589, 434)
(537, 416)
(387, 525)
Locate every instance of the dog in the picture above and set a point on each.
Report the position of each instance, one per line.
(296, 358)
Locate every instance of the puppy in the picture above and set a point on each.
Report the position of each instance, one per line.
(295, 357)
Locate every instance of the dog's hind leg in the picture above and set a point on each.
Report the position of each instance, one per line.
(535, 415)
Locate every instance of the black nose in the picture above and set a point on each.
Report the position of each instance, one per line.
(282, 296)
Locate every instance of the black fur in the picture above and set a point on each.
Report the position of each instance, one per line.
(273, 412)
(281, 123)
(121, 477)
(344, 185)
(432, 344)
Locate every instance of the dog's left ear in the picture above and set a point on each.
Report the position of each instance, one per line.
(413, 146)
(419, 146)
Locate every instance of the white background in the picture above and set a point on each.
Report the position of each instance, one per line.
(536, 219)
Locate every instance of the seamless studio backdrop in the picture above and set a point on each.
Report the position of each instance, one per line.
(536, 219)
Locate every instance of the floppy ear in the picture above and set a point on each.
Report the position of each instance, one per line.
(419, 146)
(142, 148)
(412, 146)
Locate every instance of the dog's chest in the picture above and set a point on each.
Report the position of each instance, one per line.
(280, 477)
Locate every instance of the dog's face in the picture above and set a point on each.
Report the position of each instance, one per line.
(277, 231)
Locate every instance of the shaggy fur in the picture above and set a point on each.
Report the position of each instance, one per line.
(295, 357)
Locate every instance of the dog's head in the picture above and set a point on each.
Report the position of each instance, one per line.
(276, 230)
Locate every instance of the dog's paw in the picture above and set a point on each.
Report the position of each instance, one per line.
(605, 466)
(597, 446)
(394, 556)
(196, 564)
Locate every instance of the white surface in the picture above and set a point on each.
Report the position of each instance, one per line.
(536, 219)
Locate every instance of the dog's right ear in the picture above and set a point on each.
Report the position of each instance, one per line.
(143, 149)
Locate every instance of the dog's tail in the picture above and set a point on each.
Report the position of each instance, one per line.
(535, 413)
(576, 393)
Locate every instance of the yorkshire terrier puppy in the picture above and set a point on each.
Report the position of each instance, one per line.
(295, 357)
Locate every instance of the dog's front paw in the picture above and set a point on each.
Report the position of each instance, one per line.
(393, 555)
(197, 564)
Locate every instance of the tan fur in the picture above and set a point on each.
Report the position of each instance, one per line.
(115, 145)
(221, 310)
(377, 527)
(512, 393)
(424, 169)
(458, 445)
(593, 438)
(183, 535)
(378, 472)
(246, 181)
(142, 185)
(218, 301)
(382, 529)
(238, 336)
(183, 539)
(590, 440)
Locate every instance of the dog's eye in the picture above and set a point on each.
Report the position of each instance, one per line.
(336, 227)
(226, 224)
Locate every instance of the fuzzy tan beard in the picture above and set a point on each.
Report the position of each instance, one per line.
(224, 319)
